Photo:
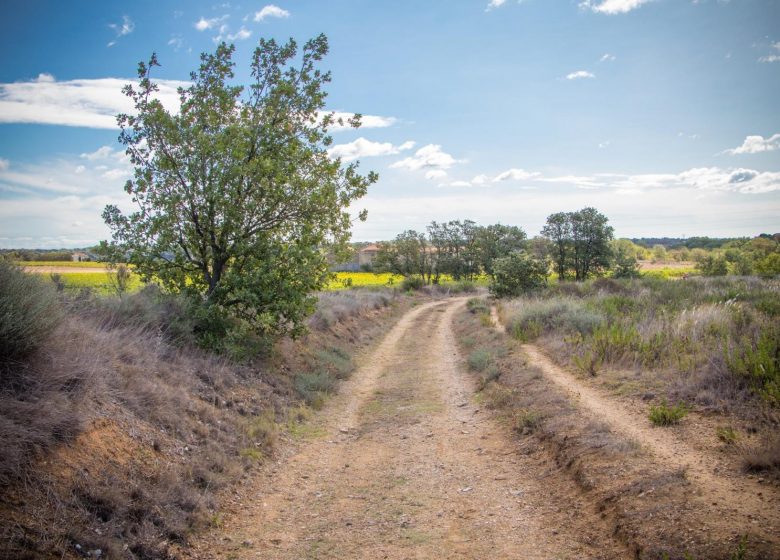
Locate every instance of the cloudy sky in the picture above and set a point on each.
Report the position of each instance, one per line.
(663, 114)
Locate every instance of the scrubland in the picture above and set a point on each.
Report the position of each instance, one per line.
(690, 370)
(120, 435)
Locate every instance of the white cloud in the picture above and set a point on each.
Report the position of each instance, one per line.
(494, 4)
(95, 103)
(435, 174)
(366, 148)
(89, 103)
(770, 58)
(430, 156)
(579, 74)
(271, 11)
(366, 121)
(4, 164)
(757, 144)
(203, 24)
(176, 41)
(612, 7)
(606, 57)
(514, 174)
(239, 35)
(121, 29)
(480, 180)
(604, 144)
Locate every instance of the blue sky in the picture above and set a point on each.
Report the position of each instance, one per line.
(663, 114)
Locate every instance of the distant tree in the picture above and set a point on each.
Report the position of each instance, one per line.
(409, 254)
(769, 266)
(558, 231)
(454, 246)
(713, 265)
(540, 247)
(236, 196)
(624, 263)
(659, 253)
(497, 241)
(580, 241)
(518, 273)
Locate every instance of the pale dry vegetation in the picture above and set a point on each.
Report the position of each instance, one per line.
(650, 503)
(119, 434)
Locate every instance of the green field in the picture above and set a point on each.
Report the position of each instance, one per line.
(100, 282)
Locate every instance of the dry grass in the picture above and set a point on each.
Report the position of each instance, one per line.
(119, 432)
(648, 503)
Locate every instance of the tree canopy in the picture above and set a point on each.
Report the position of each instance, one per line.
(580, 242)
(236, 197)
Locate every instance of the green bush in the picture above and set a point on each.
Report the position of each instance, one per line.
(517, 274)
(412, 283)
(336, 361)
(665, 415)
(29, 312)
(313, 386)
(759, 363)
(478, 306)
(480, 359)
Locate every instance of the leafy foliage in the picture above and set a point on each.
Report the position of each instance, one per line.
(517, 273)
(237, 197)
(580, 242)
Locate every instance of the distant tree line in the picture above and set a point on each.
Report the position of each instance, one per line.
(459, 249)
(576, 243)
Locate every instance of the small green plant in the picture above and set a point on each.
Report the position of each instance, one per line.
(759, 363)
(741, 552)
(411, 283)
(526, 420)
(589, 363)
(313, 387)
(665, 415)
(335, 361)
(478, 306)
(726, 434)
(480, 359)
(492, 373)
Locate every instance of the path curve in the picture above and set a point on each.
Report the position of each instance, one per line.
(745, 496)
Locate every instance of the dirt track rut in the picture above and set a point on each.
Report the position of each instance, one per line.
(408, 466)
(728, 497)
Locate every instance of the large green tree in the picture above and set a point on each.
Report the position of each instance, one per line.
(580, 243)
(409, 254)
(497, 241)
(236, 197)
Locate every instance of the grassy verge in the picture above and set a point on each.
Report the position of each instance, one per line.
(652, 506)
(119, 435)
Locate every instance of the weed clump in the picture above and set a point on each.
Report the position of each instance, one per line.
(29, 312)
(480, 359)
(665, 415)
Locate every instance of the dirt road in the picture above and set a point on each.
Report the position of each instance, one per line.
(407, 465)
(724, 495)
